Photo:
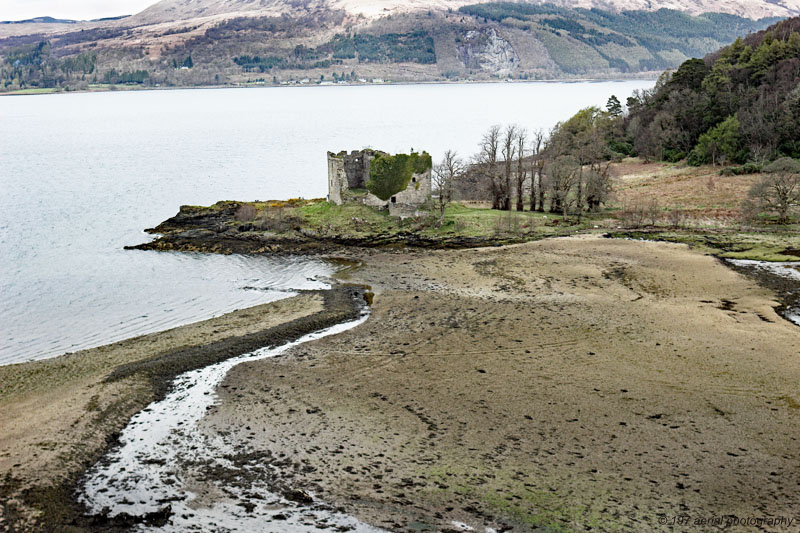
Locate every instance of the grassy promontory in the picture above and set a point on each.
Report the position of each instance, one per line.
(317, 226)
(652, 201)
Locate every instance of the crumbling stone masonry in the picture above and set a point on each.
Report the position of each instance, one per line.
(347, 181)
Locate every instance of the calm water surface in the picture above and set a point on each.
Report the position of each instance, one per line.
(81, 175)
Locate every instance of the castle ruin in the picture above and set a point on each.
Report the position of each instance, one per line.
(348, 175)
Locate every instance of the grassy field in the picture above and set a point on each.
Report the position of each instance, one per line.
(700, 207)
(459, 220)
(701, 191)
(35, 90)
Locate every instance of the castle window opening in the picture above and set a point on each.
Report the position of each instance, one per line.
(394, 199)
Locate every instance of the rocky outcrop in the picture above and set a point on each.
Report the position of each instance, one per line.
(487, 51)
(215, 230)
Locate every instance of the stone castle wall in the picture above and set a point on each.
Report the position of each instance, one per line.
(348, 171)
(351, 171)
(337, 179)
(409, 203)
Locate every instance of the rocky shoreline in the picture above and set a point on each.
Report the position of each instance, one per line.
(212, 231)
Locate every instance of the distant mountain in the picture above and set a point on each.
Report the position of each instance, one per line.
(172, 10)
(215, 42)
(39, 20)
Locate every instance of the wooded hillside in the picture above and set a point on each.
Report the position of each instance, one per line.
(739, 105)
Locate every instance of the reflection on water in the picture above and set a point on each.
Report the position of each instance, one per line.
(142, 292)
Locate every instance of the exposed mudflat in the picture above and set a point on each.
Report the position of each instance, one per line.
(61, 415)
(558, 385)
(565, 384)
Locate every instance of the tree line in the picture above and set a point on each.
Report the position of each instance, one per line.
(740, 105)
(35, 65)
(565, 170)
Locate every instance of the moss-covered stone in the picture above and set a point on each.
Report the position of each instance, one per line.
(390, 174)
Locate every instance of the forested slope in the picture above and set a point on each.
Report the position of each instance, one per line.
(741, 104)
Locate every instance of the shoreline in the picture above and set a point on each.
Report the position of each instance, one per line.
(369, 367)
(214, 230)
(647, 77)
(62, 415)
(164, 466)
(784, 288)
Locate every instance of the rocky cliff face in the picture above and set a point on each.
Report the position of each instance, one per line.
(487, 51)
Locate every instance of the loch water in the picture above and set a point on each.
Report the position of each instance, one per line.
(82, 174)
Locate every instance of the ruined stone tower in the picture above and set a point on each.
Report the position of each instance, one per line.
(348, 175)
(348, 171)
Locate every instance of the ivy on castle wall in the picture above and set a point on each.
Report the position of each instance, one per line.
(390, 174)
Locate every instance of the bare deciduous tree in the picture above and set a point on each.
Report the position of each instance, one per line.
(522, 140)
(555, 151)
(598, 185)
(487, 165)
(509, 152)
(537, 171)
(444, 176)
(675, 217)
(563, 173)
(779, 191)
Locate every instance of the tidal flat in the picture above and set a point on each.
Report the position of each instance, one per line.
(556, 384)
(61, 415)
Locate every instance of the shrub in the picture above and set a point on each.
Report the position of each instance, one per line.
(639, 214)
(507, 222)
(723, 142)
(778, 192)
(675, 217)
(673, 156)
(747, 168)
(632, 216)
(621, 147)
